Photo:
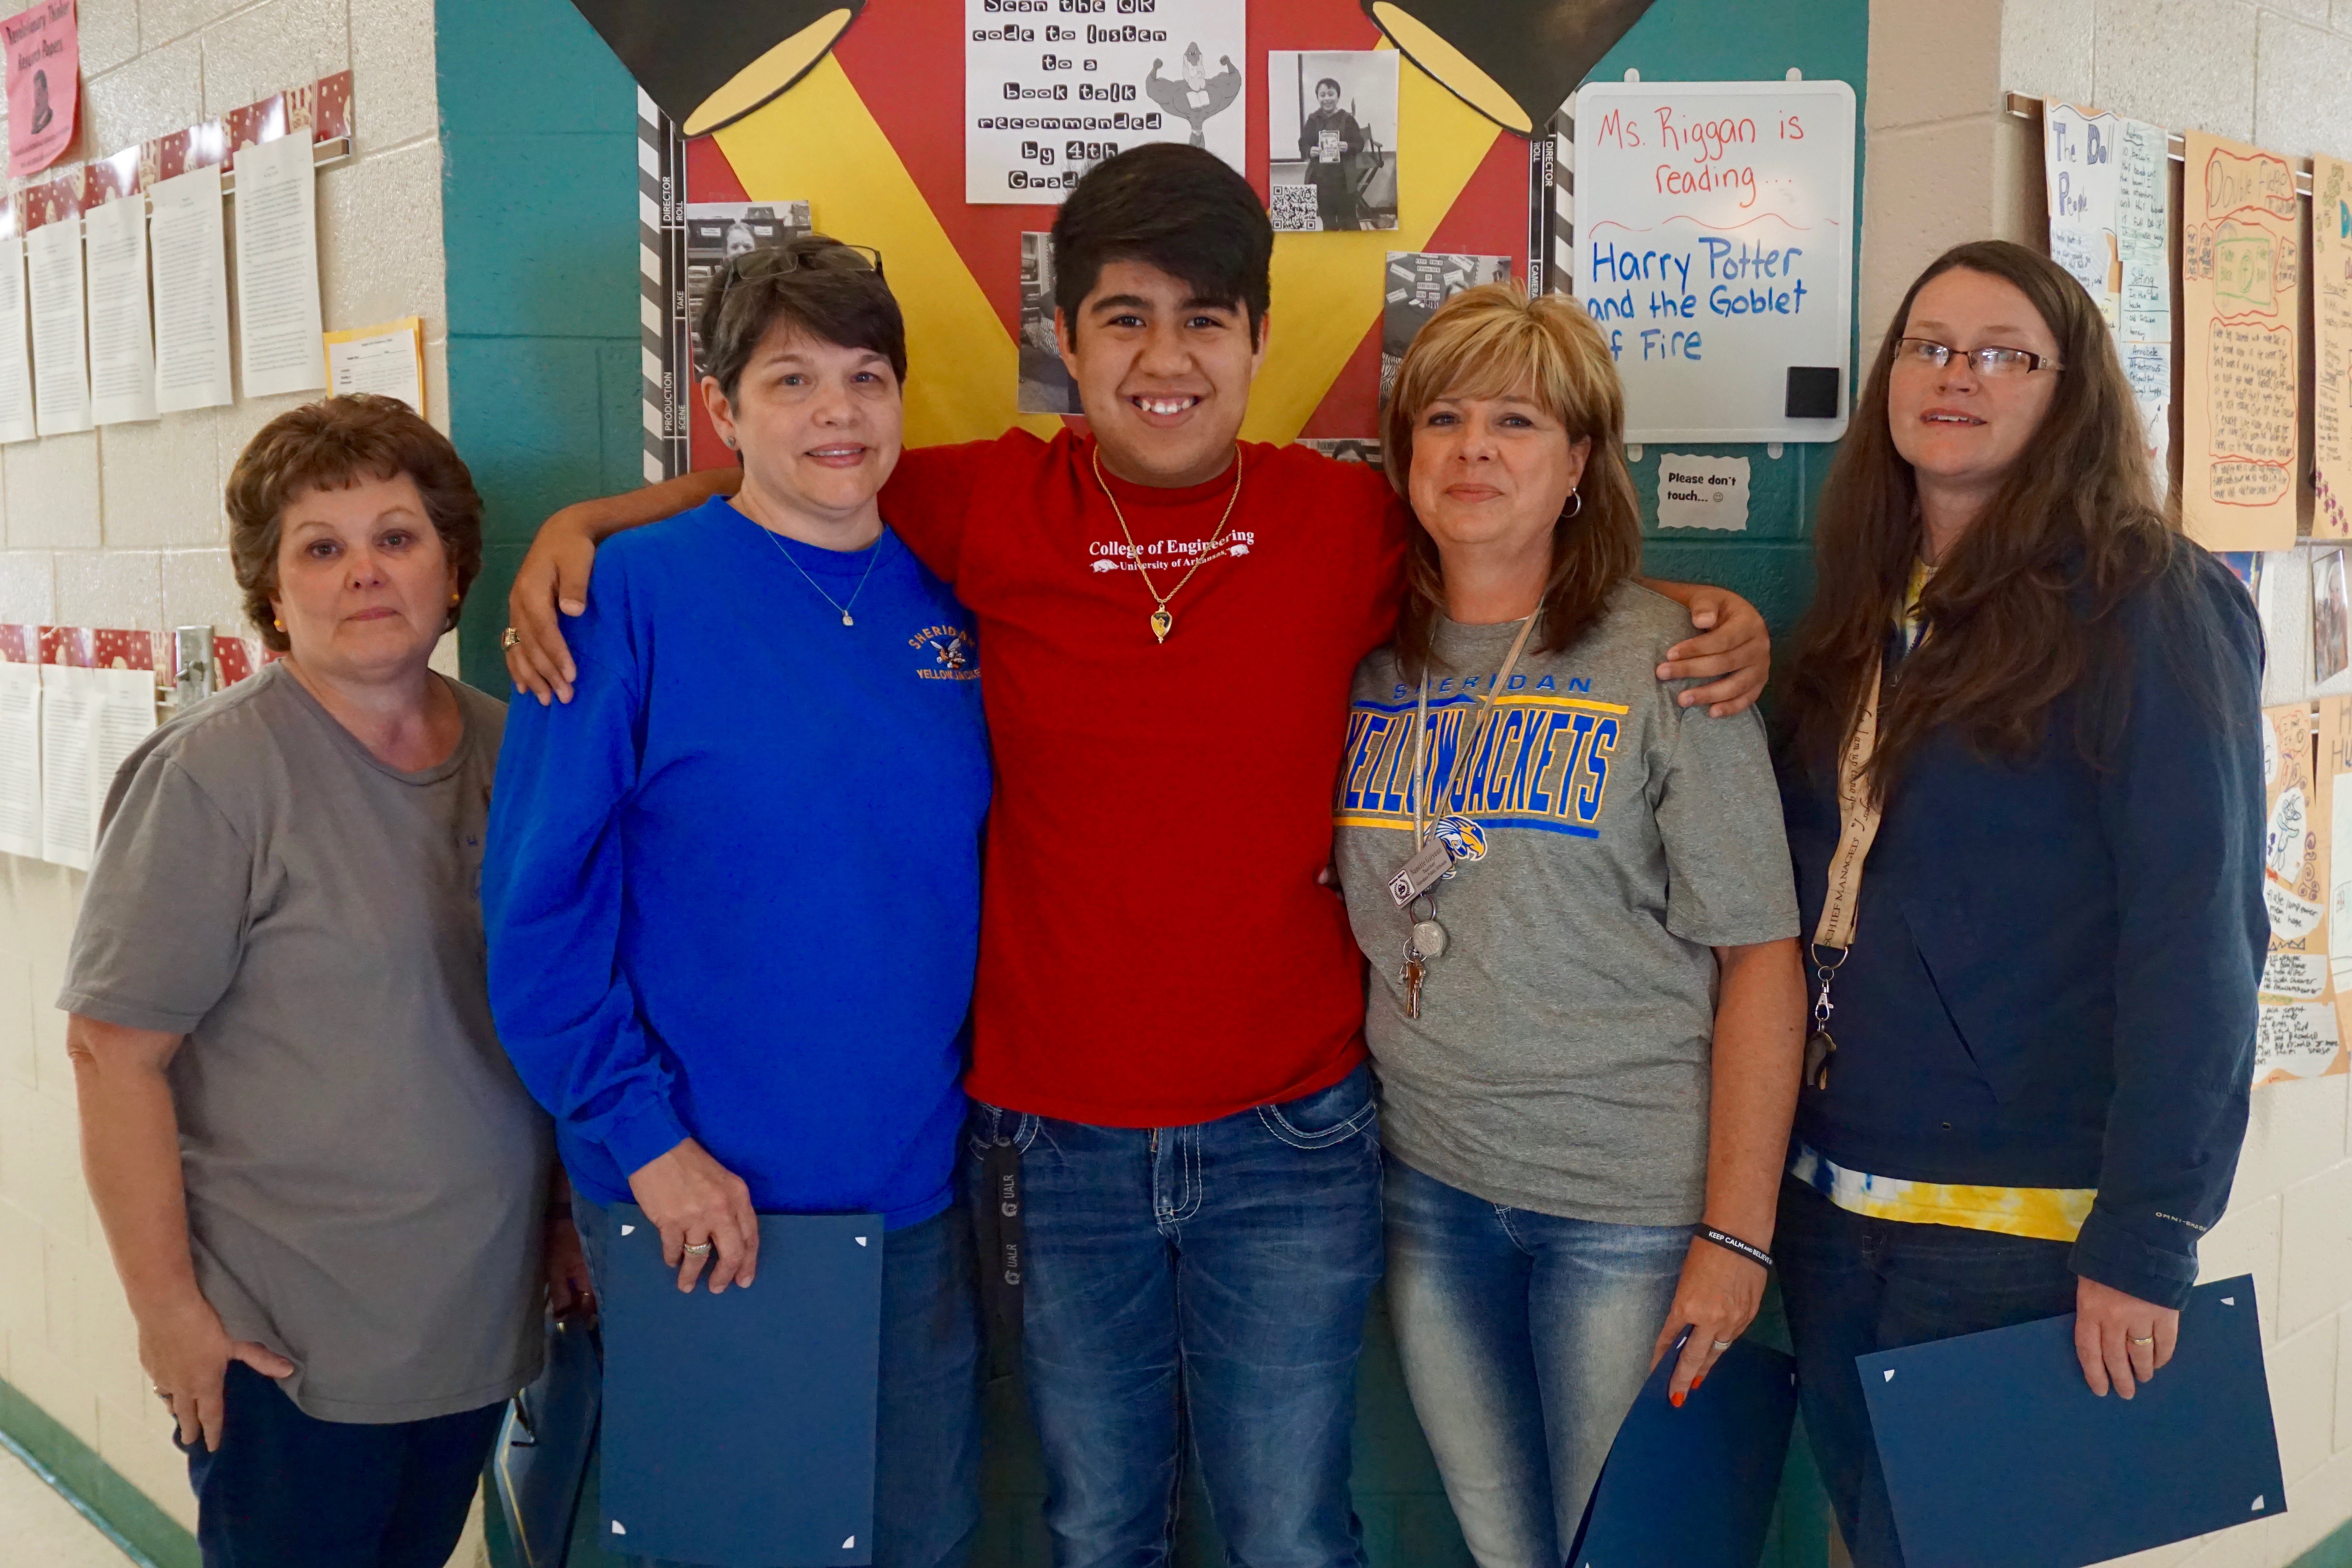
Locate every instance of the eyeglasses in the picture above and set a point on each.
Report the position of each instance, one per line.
(1993, 363)
(774, 261)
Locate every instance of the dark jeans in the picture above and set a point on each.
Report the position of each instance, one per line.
(288, 1490)
(1853, 1286)
(1227, 1265)
(927, 1424)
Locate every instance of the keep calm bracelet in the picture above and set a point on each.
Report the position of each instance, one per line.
(1730, 1243)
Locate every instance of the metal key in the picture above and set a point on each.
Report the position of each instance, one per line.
(1414, 972)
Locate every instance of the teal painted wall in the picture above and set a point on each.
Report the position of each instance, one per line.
(540, 214)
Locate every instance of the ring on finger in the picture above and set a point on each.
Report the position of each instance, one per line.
(1723, 1344)
(510, 638)
(697, 1248)
(2139, 1340)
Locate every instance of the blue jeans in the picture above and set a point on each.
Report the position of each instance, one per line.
(1228, 1264)
(288, 1490)
(926, 1423)
(1525, 1337)
(1853, 1286)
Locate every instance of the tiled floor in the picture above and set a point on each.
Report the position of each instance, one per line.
(39, 1527)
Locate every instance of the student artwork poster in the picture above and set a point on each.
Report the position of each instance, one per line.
(2297, 1032)
(2331, 320)
(2242, 290)
(1337, 108)
(1419, 281)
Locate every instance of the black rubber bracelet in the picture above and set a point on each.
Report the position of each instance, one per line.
(1730, 1243)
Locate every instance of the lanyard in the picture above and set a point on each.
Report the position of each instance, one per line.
(1423, 815)
(1858, 815)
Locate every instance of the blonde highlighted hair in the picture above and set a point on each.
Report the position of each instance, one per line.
(1491, 341)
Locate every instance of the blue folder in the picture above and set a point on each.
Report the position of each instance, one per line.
(739, 1428)
(1695, 1487)
(543, 1446)
(1996, 1451)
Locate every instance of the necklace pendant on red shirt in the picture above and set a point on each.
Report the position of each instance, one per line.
(1162, 623)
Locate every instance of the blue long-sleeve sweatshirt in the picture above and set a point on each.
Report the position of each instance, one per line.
(2055, 965)
(732, 888)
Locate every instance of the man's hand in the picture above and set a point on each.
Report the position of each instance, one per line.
(2120, 1339)
(695, 1201)
(553, 576)
(1734, 656)
(185, 1353)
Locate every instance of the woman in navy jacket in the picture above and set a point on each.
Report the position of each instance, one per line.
(2044, 1017)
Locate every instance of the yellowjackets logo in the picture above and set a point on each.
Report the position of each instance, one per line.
(953, 656)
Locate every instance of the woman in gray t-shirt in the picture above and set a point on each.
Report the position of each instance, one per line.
(1585, 1003)
(326, 1192)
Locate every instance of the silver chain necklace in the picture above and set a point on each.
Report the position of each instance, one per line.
(839, 605)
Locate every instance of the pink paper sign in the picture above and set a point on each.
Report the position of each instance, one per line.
(44, 77)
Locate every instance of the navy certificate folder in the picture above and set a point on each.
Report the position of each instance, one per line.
(739, 1428)
(1695, 1487)
(2005, 1418)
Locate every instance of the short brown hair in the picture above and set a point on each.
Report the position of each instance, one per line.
(333, 444)
(820, 286)
(1486, 342)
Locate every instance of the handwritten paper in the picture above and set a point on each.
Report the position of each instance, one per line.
(191, 274)
(2143, 244)
(16, 422)
(20, 759)
(60, 356)
(279, 327)
(388, 360)
(91, 721)
(2081, 151)
(2331, 315)
(1702, 492)
(1049, 94)
(2295, 1029)
(2242, 272)
(122, 343)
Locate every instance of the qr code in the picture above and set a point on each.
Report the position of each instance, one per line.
(1295, 210)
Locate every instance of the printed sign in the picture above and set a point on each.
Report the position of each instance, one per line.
(1702, 492)
(44, 77)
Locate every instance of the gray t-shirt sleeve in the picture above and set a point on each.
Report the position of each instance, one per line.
(1728, 881)
(163, 919)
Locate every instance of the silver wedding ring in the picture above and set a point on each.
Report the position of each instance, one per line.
(697, 1248)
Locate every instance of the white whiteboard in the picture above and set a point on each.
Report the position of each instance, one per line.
(1715, 246)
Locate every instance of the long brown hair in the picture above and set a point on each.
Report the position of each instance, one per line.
(1486, 342)
(2022, 610)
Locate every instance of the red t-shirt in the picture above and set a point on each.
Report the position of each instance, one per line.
(1154, 950)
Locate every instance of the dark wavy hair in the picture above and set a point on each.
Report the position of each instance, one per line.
(2024, 608)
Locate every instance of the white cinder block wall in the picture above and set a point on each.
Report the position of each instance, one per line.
(123, 527)
(1946, 163)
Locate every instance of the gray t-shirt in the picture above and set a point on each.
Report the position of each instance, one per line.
(1560, 1061)
(366, 1177)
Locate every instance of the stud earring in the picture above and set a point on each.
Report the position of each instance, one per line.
(278, 624)
(456, 599)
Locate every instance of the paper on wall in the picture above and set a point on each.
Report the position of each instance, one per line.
(91, 721)
(2335, 754)
(20, 759)
(2296, 1034)
(1702, 492)
(2331, 319)
(2143, 244)
(122, 343)
(191, 272)
(278, 328)
(388, 360)
(16, 423)
(60, 359)
(2241, 287)
(2081, 157)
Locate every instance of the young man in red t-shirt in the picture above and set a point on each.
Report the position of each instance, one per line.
(1169, 1010)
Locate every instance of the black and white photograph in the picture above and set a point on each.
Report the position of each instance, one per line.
(1364, 449)
(1045, 383)
(2331, 618)
(1335, 110)
(717, 232)
(1418, 282)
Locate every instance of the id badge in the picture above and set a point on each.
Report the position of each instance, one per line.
(1424, 871)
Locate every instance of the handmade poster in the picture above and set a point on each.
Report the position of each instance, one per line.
(2329, 616)
(2143, 238)
(1715, 248)
(1045, 383)
(388, 360)
(2081, 151)
(187, 246)
(1419, 282)
(1337, 110)
(16, 423)
(20, 759)
(279, 327)
(1049, 94)
(2331, 320)
(2296, 1030)
(718, 232)
(2242, 290)
(121, 341)
(60, 354)
(44, 77)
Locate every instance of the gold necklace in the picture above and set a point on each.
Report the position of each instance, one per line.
(1164, 621)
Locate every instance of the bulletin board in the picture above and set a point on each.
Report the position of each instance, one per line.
(1715, 244)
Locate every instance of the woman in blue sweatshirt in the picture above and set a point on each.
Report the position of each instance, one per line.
(732, 890)
(2031, 1084)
